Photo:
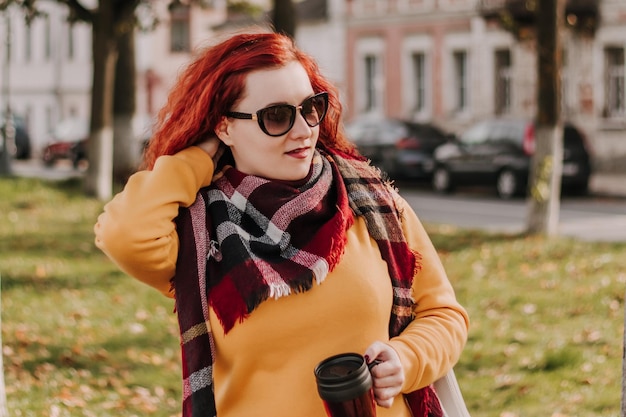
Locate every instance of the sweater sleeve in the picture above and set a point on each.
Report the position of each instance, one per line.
(136, 229)
(432, 343)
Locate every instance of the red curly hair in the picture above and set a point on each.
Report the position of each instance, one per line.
(213, 83)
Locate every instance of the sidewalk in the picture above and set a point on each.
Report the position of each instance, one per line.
(608, 184)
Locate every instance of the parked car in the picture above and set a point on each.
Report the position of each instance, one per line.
(22, 147)
(401, 148)
(67, 141)
(498, 153)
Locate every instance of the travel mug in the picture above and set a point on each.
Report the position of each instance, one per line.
(344, 383)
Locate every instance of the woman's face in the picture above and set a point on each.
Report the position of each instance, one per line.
(285, 157)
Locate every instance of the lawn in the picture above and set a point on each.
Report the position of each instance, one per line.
(82, 339)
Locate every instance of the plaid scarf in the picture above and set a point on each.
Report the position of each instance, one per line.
(277, 246)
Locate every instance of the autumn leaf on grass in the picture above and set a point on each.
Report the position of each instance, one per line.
(71, 398)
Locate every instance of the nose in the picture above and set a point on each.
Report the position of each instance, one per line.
(300, 127)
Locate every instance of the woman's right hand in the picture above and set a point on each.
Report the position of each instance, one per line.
(212, 147)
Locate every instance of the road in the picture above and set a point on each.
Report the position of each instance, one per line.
(586, 218)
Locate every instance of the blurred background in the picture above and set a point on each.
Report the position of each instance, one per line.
(450, 63)
(442, 91)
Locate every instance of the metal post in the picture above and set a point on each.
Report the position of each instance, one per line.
(8, 131)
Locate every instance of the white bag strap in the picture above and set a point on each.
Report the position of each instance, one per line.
(449, 393)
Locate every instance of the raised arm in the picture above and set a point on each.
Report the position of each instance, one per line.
(137, 230)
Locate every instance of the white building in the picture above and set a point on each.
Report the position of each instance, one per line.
(48, 73)
(49, 68)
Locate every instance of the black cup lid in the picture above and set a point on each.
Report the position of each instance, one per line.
(342, 377)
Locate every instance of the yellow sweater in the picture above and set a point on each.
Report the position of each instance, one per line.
(264, 366)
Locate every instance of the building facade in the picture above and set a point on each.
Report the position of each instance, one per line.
(446, 61)
(451, 62)
(45, 67)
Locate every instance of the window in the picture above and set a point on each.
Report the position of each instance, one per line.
(49, 118)
(418, 60)
(28, 42)
(70, 41)
(369, 75)
(371, 79)
(47, 38)
(502, 81)
(28, 117)
(460, 79)
(614, 105)
(179, 28)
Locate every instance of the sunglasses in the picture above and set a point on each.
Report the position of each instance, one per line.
(279, 119)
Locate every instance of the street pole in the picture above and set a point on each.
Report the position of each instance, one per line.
(8, 131)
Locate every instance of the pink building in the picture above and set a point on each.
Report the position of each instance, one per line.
(452, 62)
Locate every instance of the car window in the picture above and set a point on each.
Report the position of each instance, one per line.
(71, 130)
(505, 131)
(427, 132)
(390, 132)
(476, 134)
(18, 121)
(355, 132)
(572, 138)
(361, 131)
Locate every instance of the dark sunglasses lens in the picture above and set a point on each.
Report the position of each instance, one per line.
(277, 120)
(314, 109)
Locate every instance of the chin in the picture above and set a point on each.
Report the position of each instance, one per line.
(294, 177)
(295, 174)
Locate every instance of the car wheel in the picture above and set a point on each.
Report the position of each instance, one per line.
(48, 160)
(75, 162)
(507, 184)
(579, 189)
(442, 180)
(75, 158)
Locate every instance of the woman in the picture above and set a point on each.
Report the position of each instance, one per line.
(279, 243)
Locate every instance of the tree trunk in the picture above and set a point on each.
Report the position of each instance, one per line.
(546, 167)
(126, 149)
(284, 18)
(6, 169)
(623, 412)
(98, 179)
(7, 131)
(4, 412)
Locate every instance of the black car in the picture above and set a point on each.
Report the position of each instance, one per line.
(22, 148)
(401, 148)
(498, 153)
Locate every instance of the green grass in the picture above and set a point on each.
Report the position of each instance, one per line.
(82, 339)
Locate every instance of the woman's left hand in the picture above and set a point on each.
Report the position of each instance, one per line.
(388, 375)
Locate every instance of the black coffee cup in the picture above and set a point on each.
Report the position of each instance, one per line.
(344, 383)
